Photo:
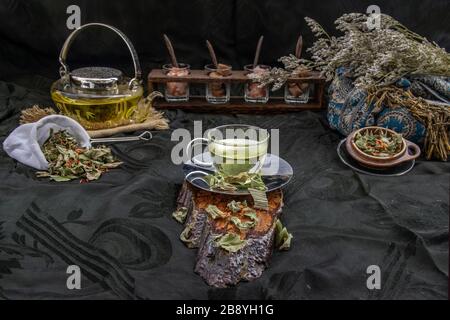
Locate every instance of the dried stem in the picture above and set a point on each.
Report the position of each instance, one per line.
(299, 47)
(435, 118)
(212, 54)
(258, 51)
(169, 46)
(34, 114)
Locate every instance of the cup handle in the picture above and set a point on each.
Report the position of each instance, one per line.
(189, 152)
(414, 149)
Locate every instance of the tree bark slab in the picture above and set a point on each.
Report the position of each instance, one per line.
(219, 267)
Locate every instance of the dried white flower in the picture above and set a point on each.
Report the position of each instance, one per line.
(377, 57)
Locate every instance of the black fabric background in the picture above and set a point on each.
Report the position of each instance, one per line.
(33, 31)
(342, 222)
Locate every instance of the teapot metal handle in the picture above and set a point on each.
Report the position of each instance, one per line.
(64, 70)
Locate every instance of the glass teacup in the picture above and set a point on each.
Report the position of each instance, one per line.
(235, 149)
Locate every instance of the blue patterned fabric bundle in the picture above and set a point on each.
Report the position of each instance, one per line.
(348, 110)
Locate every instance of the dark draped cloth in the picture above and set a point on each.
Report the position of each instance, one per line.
(119, 230)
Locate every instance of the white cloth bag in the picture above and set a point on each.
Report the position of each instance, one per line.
(24, 143)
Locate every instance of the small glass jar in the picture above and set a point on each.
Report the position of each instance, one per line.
(296, 92)
(253, 92)
(218, 92)
(177, 91)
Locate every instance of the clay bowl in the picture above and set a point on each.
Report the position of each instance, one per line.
(408, 151)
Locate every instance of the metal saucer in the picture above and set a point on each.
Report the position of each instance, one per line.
(276, 173)
(395, 171)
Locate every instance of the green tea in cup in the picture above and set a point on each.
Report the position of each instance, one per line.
(235, 156)
(237, 149)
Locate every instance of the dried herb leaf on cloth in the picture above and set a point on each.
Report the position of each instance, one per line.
(282, 237)
(180, 214)
(68, 161)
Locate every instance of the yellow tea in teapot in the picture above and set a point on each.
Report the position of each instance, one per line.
(98, 113)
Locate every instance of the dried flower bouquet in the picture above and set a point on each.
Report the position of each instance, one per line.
(377, 57)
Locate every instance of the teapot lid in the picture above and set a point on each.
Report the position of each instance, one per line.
(96, 78)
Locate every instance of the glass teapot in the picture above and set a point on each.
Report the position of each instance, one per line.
(98, 97)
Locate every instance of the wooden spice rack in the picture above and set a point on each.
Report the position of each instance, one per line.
(236, 104)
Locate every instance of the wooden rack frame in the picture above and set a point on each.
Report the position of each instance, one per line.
(236, 104)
